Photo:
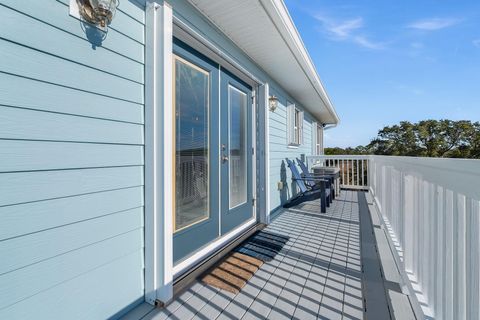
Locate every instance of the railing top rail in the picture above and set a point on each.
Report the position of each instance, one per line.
(349, 157)
(463, 166)
(458, 175)
(471, 166)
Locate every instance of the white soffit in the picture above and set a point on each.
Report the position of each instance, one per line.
(264, 30)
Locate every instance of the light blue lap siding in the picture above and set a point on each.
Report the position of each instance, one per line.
(279, 150)
(56, 14)
(71, 163)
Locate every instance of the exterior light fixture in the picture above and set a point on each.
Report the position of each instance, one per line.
(272, 103)
(98, 12)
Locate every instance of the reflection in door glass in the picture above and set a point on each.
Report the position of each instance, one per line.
(191, 102)
(238, 146)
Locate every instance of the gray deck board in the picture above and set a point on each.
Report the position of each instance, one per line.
(139, 312)
(316, 275)
(279, 268)
(376, 305)
(400, 305)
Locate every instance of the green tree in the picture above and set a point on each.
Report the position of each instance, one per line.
(396, 140)
(473, 142)
(429, 138)
(347, 151)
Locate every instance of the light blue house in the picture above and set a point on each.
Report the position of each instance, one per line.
(128, 158)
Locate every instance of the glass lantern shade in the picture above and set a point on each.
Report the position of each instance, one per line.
(273, 103)
(104, 10)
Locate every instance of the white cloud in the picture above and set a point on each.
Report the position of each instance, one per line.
(339, 29)
(433, 24)
(476, 43)
(365, 42)
(347, 30)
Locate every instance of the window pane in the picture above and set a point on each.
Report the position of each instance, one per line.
(319, 139)
(191, 133)
(297, 127)
(238, 146)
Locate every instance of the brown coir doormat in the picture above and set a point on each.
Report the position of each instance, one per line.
(233, 272)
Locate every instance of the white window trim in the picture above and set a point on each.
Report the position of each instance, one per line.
(294, 133)
(319, 140)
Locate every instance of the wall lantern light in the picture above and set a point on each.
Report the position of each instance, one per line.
(272, 103)
(98, 12)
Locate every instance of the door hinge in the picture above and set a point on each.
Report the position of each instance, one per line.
(253, 202)
(253, 150)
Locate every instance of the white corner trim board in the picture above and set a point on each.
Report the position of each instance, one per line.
(158, 143)
(266, 146)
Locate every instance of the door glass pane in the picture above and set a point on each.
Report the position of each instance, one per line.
(191, 102)
(237, 146)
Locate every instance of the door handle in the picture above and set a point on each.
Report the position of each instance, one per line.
(224, 158)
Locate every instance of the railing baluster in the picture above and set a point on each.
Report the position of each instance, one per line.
(352, 173)
(356, 173)
(363, 173)
(348, 172)
(352, 183)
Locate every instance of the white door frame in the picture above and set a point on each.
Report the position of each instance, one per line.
(264, 135)
(159, 153)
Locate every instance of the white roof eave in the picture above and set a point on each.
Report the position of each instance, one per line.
(260, 27)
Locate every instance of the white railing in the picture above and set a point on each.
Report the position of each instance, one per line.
(431, 209)
(353, 169)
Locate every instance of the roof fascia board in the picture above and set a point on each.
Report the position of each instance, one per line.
(293, 40)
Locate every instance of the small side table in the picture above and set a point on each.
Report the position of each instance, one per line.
(334, 171)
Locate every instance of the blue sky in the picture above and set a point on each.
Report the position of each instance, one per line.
(387, 61)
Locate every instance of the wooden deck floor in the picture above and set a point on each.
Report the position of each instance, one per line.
(317, 274)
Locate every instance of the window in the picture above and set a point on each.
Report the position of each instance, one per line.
(319, 140)
(191, 102)
(295, 125)
(237, 104)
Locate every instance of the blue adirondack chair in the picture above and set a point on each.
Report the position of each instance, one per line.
(320, 189)
(308, 174)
